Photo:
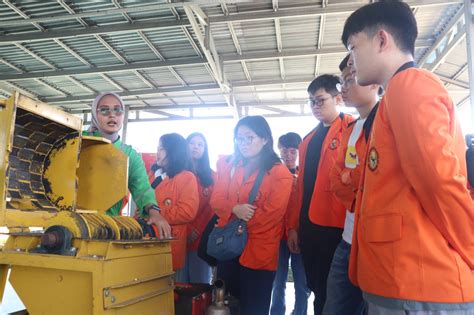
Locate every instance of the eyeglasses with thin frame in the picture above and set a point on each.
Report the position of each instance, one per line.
(106, 111)
(239, 140)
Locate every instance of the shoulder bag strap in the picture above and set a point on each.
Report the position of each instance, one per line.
(256, 186)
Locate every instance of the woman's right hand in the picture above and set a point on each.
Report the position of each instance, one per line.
(244, 211)
(160, 222)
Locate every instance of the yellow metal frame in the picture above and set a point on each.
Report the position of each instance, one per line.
(101, 166)
(117, 277)
(100, 276)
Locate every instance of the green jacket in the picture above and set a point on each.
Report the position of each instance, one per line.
(138, 183)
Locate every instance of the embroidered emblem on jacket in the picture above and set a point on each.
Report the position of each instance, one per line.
(334, 144)
(373, 159)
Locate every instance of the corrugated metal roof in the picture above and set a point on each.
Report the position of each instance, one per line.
(255, 31)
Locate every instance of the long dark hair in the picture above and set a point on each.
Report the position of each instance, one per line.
(178, 158)
(258, 124)
(202, 168)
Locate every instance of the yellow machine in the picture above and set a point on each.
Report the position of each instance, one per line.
(83, 261)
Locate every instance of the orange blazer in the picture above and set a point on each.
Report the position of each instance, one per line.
(414, 233)
(345, 181)
(204, 213)
(178, 199)
(324, 209)
(265, 228)
(291, 201)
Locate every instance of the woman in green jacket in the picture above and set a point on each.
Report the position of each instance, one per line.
(107, 120)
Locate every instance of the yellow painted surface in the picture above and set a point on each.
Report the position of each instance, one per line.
(6, 132)
(102, 175)
(72, 221)
(104, 276)
(50, 112)
(17, 218)
(113, 278)
(61, 174)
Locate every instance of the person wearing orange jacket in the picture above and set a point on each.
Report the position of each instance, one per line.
(250, 276)
(288, 146)
(176, 191)
(316, 219)
(196, 270)
(413, 243)
(342, 296)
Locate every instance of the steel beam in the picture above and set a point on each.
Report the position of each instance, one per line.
(452, 81)
(133, 93)
(460, 35)
(307, 11)
(90, 31)
(469, 24)
(98, 13)
(447, 30)
(292, 12)
(306, 52)
(151, 108)
(101, 70)
(211, 54)
(190, 88)
(295, 11)
(260, 55)
(125, 124)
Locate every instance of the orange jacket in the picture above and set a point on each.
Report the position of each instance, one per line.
(178, 200)
(291, 201)
(265, 227)
(414, 228)
(324, 208)
(345, 181)
(204, 213)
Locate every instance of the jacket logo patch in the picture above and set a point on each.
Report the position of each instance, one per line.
(167, 202)
(334, 144)
(373, 159)
(205, 192)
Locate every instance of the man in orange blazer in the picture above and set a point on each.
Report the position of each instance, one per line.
(316, 218)
(342, 296)
(413, 244)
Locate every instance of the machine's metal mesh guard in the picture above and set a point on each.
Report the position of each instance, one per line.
(35, 140)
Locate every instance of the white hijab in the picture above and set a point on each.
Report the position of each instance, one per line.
(95, 126)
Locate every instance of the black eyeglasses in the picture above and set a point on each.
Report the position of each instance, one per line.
(106, 111)
(319, 102)
(244, 140)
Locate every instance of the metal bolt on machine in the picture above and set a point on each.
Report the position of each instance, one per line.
(82, 261)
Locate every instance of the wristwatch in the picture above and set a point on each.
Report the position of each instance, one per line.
(153, 207)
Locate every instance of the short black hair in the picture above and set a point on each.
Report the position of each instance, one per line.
(343, 64)
(394, 16)
(178, 158)
(290, 140)
(328, 82)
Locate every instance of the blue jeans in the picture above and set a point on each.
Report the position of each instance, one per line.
(195, 270)
(279, 284)
(343, 298)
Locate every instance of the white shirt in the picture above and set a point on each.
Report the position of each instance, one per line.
(351, 161)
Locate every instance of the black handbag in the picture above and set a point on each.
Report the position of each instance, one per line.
(228, 242)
